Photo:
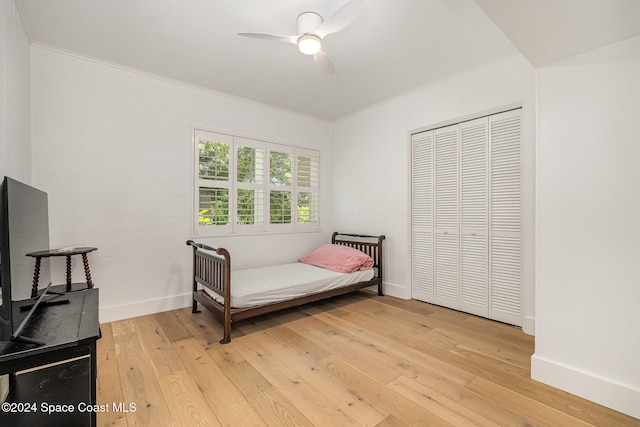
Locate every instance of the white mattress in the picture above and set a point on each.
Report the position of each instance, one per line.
(259, 286)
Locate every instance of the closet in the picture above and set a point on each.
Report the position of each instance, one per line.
(466, 216)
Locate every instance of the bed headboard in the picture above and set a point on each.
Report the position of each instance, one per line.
(370, 245)
(212, 271)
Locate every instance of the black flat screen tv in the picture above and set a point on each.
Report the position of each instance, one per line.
(24, 228)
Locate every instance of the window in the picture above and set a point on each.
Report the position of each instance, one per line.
(248, 186)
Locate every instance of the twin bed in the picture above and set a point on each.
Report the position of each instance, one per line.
(349, 263)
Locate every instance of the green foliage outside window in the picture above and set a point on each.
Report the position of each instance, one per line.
(213, 164)
(250, 161)
(280, 207)
(213, 206)
(250, 207)
(280, 166)
(214, 160)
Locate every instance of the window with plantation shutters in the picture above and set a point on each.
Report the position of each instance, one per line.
(466, 216)
(251, 186)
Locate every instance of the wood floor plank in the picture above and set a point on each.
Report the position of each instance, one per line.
(106, 350)
(313, 404)
(423, 368)
(185, 402)
(172, 323)
(472, 402)
(439, 404)
(123, 327)
(139, 384)
(389, 400)
(108, 384)
(346, 399)
(155, 343)
(348, 346)
(544, 414)
(227, 402)
(244, 376)
(399, 358)
(276, 410)
(299, 344)
(468, 326)
(391, 421)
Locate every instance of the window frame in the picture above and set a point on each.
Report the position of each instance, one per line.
(265, 227)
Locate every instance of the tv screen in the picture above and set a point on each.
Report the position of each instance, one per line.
(24, 228)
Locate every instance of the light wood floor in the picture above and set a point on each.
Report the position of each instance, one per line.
(354, 360)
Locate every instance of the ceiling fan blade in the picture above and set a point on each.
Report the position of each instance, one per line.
(273, 37)
(340, 18)
(322, 60)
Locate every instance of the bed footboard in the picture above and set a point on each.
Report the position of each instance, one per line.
(214, 273)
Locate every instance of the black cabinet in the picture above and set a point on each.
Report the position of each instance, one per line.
(55, 383)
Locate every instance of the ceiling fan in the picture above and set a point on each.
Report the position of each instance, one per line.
(312, 30)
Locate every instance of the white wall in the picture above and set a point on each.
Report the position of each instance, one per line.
(371, 152)
(15, 114)
(588, 228)
(15, 127)
(112, 147)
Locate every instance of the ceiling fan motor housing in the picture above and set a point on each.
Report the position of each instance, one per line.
(308, 23)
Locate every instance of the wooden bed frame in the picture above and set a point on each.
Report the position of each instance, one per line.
(214, 273)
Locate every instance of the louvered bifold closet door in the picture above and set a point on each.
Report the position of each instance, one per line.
(474, 217)
(422, 216)
(505, 264)
(446, 255)
(466, 216)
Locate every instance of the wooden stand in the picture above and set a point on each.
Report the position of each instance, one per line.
(61, 252)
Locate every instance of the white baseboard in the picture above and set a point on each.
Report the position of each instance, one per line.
(529, 326)
(613, 395)
(142, 308)
(397, 291)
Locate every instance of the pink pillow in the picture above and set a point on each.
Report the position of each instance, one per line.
(342, 259)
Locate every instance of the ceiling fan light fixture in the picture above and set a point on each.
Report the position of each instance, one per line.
(310, 44)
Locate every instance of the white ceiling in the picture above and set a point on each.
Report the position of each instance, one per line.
(391, 47)
(546, 31)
